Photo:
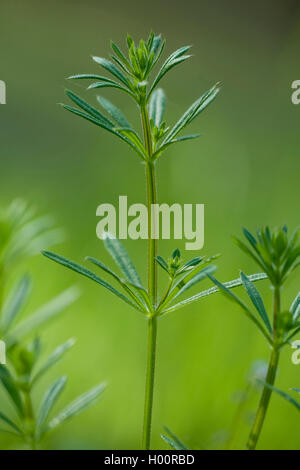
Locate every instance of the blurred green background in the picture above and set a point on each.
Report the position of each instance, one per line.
(245, 169)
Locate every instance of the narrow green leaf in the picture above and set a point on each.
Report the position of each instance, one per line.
(257, 301)
(213, 290)
(89, 109)
(89, 274)
(175, 58)
(44, 314)
(184, 138)
(136, 298)
(110, 67)
(16, 300)
(77, 406)
(114, 112)
(163, 264)
(111, 84)
(281, 393)
(196, 278)
(157, 106)
(120, 55)
(12, 390)
(192, 112)
(131, 136)
(10, 423)
(88, 76)
(51, 396)
(173, 441)
(122, 259)
(236, 299)
(295, 308)
(101, 124)
(88, 117)
(54, 357)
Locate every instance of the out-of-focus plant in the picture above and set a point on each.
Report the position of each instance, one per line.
(278, 255)
(22, 377)
(258, 371)
(132, 74)
(172, 440)
(23, 235)
(283, 394)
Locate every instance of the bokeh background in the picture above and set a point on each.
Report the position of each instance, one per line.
(245, 169)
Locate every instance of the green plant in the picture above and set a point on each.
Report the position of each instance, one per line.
(23, 235)
(20, 380)
(131, 75)
(284, 395)
(172, 440)
(278, 255)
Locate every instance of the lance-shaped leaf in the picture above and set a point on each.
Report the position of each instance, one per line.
(157, 48)
(123, 283)
(113, 69)
(174, 59)
(157, 106)
(162, 263)
(77, 406)
(89, 274)
(173, 441)
(196, 278)
(10, 423)
(248, 252)
(184, 138)
(43, 315)
(286, 396)
(90, 76)
(257, 301)
(192, 112)
(51, 396)
(114, 112)
(236, 299)
(122, 259)
(131, 136)
(54, 357)
(295, 308)
(12, 390)
(120, 55)
(213, 290)
(89, 109)
(102, 124)
(111, 84)
(16, 300)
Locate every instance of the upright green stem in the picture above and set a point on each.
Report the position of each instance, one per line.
(152, 283)
(29, 420)
(150, 374)
(270, 379)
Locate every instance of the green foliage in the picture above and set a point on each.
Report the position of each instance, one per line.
(132, 75)
(22, 234)
(277, 253)
(279, 256)
(172, 440)
(284, 395)
(31, 425)
(183, 275)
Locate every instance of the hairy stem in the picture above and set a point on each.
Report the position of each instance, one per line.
(150, 375)
(152, 283)
(270, 379)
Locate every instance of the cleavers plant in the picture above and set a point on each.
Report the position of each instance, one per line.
(22, 234)
(278, 255)
(132, 75)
